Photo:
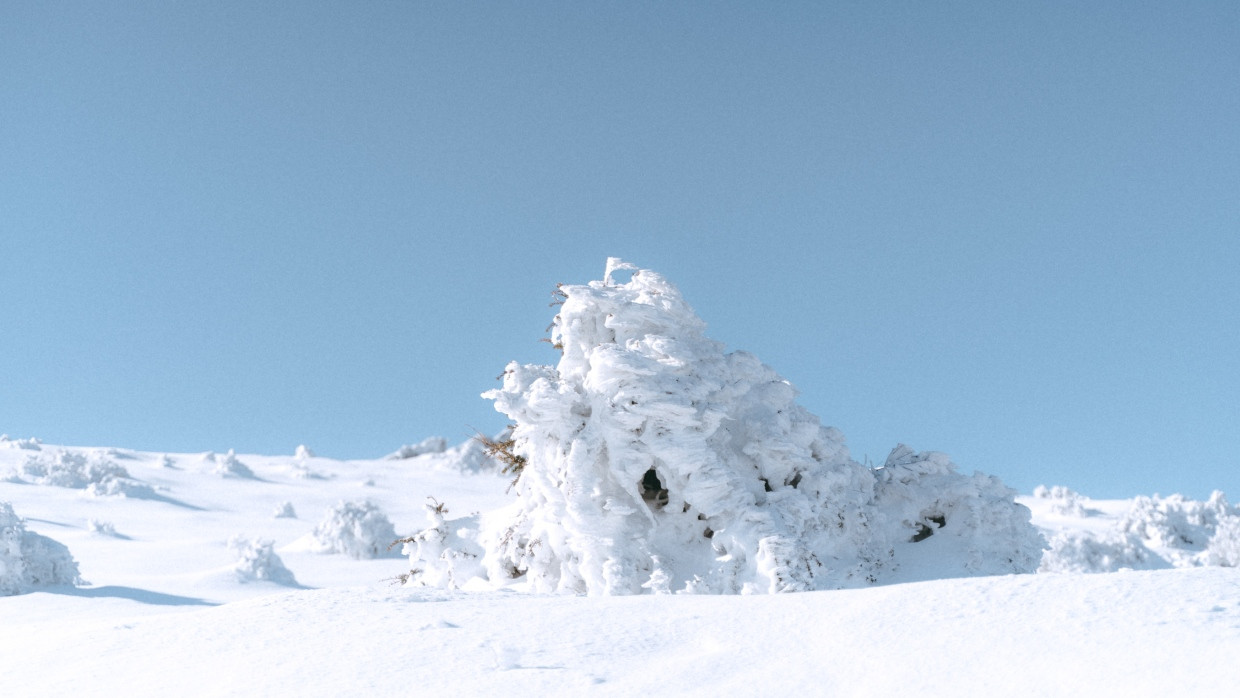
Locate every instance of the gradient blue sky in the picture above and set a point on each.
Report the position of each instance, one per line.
(1007, 233)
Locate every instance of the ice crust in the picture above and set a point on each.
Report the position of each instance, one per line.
(656, 461)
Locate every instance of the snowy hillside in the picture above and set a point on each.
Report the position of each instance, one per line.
(237, 574)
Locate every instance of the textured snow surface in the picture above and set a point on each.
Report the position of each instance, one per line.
(173, 609)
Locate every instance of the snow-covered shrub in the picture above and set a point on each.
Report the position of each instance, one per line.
(301, 471)
(1155, 532)
(1064, 501)
(446, 555)
(434, 444)
(468, 457)
(303, 452)
(25, 444)
(1083, 552)
(653, 460)
(230, 466)
(28, 559)
(976, 524)
(1176, 521)
(284, 510)
(358, 529)
(257, 561)
(1224, 546)
(103, 528)
(96, 474)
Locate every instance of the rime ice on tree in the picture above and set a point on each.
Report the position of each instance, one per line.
(654, 461)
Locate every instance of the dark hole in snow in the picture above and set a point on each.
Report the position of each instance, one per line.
(766, 484)
(924, 531)
(652, 489)
(796, 480)
(708, 532)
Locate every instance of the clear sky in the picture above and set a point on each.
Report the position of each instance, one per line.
(1007, 233)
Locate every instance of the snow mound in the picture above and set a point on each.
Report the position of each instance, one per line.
(258, 561)
(649, 460)
(28, 559)
(284, 510)
(357, 529)
(95, 473)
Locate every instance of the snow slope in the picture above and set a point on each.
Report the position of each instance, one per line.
(169, 606)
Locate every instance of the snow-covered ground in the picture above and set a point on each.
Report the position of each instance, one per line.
(182, 557)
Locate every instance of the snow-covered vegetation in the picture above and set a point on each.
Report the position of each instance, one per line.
(649, 459)
(29, 560)
(174, 608)
(357, 529)
(258, 561)
(92, 471)
(1150, 533)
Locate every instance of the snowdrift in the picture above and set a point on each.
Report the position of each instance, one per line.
(651, 460)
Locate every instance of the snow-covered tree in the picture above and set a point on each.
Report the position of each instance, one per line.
(650, 459)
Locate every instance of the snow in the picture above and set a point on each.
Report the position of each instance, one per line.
(167, 608)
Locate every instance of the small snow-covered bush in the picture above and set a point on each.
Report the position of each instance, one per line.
(1176, 521)
(1083, 552)
(434, 444)
(652, 460)
(303, 452)
(284, 510)
(1224, 546)
(28, 559)
(230, 466)
(96, 474)
(103, 528)
(31, 444)
(258, 561)
(448, 559)
(358, 529)
(1155, 532)
(1064, 501)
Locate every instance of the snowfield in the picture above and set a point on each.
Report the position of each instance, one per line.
(170, 607)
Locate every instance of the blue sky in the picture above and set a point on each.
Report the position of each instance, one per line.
(1007, 233)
